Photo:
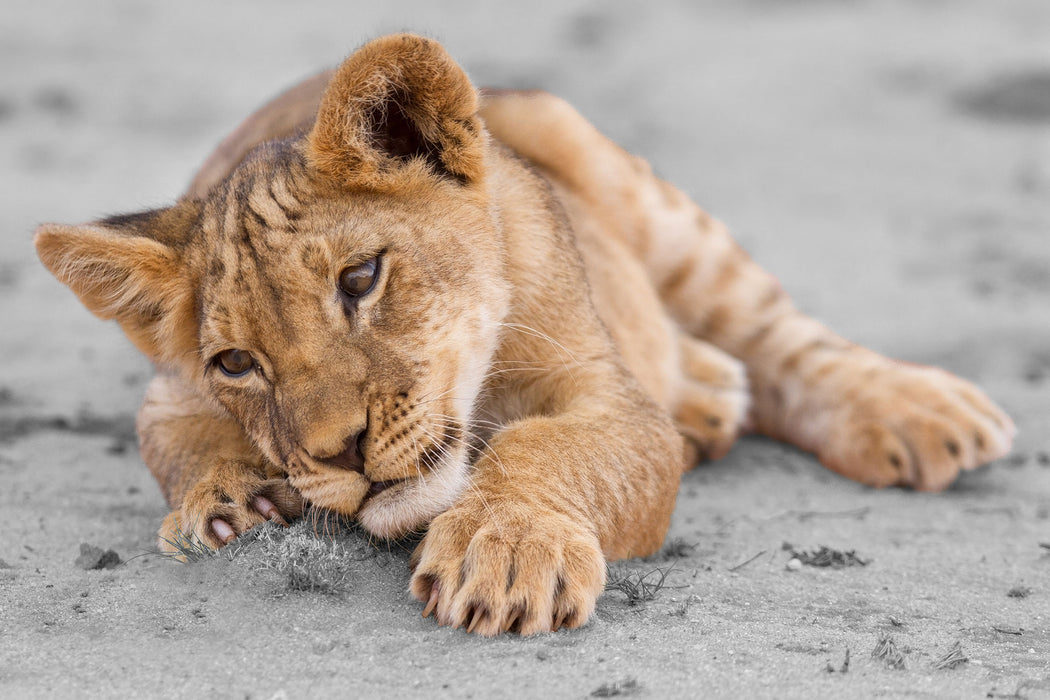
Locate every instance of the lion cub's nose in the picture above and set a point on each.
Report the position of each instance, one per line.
(351, 457)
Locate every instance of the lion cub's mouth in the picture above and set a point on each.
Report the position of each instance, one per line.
(388, 504)
(377, 487)
(430, 457)
(351, 460)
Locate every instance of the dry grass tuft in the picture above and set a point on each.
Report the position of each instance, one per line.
(828, 557)
(640, 587)
(1019, 592)
(677, 548)
(305, 562)
(628, 686)
(887, 651)
(953, 658)
(187, 547)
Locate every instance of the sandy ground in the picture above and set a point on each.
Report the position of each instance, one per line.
(890, 161)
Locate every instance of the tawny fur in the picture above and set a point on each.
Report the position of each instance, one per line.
(553, 336)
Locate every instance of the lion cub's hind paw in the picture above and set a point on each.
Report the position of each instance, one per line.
(917, 427)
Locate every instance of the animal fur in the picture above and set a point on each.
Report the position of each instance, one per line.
(552, 336)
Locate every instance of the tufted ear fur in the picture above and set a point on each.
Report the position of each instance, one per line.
(398, 101)
(129, 268)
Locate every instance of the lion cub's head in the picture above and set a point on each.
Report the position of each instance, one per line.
(340, 293)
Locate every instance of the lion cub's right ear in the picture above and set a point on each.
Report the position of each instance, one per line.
(397, 103)
(129, 268)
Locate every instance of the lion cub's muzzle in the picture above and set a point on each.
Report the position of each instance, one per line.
(352, 459)
(395, 475)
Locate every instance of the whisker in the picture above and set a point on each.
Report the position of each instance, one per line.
(455, 422)
(528, 330)
(415, 460)
(484, 450)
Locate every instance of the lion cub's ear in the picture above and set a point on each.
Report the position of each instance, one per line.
(129, 268)
(396, 101)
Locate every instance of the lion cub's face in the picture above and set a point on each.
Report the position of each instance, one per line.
(349, 332)
(339, 294)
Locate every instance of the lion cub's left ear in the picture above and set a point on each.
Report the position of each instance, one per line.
(398, 102)
(130, 268)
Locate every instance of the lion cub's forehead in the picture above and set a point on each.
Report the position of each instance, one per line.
(271, 246)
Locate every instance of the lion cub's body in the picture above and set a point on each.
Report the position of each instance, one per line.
(545, 322)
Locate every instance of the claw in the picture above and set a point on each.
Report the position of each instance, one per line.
(478, 615)
(223, 531)
(558, 621)
(432, 603)
(267, 509)
(511, 619)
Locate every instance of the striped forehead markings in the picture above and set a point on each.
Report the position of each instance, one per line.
(250, 299)
(282, 196)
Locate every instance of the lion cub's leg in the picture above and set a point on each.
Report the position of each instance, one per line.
(703, 388)
(218, 484)
(870, 418)
(552, 498)
(867, 417)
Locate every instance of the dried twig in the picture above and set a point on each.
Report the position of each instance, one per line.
(1009, 630)
(804, 515)
(742, 564)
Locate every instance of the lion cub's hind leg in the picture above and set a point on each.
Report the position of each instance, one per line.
(711, 408)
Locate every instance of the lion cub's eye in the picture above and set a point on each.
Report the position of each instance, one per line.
(358, 280)
(235, 363)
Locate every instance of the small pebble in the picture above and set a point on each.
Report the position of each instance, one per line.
(794, 565)
(92, 557)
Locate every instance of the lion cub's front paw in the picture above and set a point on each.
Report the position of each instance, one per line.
(231, 500)
(511, 568)
(914, 426)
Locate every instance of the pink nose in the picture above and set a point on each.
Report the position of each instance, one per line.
(350, 458)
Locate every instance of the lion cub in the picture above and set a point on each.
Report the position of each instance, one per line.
(399, 299)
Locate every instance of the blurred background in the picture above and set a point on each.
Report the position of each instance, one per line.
(888, 160)
(894, 152)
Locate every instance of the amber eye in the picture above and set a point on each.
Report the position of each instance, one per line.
(235, 363)
(358, 280)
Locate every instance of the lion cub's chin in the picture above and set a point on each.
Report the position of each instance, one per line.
(410, 505)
